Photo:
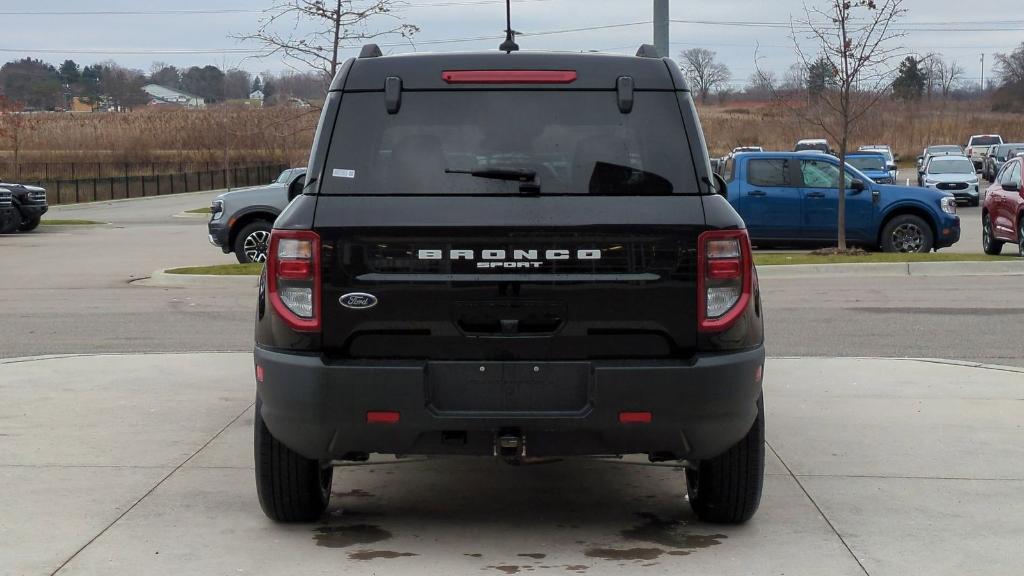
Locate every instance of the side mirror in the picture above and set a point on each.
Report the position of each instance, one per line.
(891, 166)
(295, 188)
(896, 157)
(721, 185)
(1011, 187)
(857, 185)
(920, 160)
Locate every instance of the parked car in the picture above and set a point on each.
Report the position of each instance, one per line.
(814, 145)
(9, 217)
(978, 145)
(953, 174)
(942, 149)
(792, 198)
(874, 165)
(1002, 216)
(890, 157)
(572, 291)
(998, 156)
(241, 220)
(28, 204)
(739, 149)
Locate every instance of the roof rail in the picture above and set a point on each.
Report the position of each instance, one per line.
(648, 51)
(370, 51)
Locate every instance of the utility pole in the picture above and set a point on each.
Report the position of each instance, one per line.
(661, 27)
(983, 73)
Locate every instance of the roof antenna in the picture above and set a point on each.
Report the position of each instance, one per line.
(509, 45)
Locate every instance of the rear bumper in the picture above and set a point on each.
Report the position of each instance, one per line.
(699, 408)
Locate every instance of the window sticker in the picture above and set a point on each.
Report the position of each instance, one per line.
(340, 173)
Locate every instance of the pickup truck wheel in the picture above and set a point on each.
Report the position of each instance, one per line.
(907, 233)
(988, 241)
(29, 225)
(252, 242)
(290, 487)
(727, 489)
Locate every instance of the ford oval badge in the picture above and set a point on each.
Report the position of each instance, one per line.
(358, 301)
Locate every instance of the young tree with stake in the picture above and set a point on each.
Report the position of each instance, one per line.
(854, 39)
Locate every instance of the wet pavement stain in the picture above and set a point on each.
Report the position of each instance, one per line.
(356, 493)
(375, 554)
(578, 568)
(669, 533)
(624, 554)
(507, 569)
(344, 536)
(474, 555)
(534, 555)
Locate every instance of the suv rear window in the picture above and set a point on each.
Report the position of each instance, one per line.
(985, 140)
(576, 142)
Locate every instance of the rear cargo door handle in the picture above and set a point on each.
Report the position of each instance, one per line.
(757, 193)
(815, 194)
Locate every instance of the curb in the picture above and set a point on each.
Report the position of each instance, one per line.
(162, 279)
(195, 215)
(881, 269)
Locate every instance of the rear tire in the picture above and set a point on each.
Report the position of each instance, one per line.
(252, 242)
(907, 233)
(727, 489)
(992, 246)
(29, 225)
(290, 487)
(1020, 236)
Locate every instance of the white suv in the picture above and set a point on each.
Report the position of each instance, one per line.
(977, 148)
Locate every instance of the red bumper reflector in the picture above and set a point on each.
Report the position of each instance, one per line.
(509, 76)
(259, 374)
(634, 417)
(382, 417)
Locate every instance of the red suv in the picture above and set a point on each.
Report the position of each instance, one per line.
(1002, 217)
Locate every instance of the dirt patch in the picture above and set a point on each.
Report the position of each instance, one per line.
(624, 554)
(670, 533)
(357, 493)
(375, 554)
(507, 569)
(534, 555)
(344, 536)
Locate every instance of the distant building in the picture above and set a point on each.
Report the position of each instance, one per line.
(78, 105)
(164, 95)
(257, 95)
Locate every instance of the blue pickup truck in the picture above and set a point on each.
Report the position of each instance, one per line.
(792, 198)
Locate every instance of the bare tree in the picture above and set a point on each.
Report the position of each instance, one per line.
(854, 38)
(336, 24)
(704, 72)
(941, 77)
(761, 84)
(1010, 67)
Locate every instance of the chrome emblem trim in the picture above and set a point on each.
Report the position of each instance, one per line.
(358, 300)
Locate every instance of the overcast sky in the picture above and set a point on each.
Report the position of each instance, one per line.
(137, 40)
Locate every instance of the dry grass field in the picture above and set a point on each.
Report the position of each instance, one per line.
(247, 135)
(283, 135)
(908, 128)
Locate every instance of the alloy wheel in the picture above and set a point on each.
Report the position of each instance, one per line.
(1020, 239)
(907, 238)
(256, 245)
(986, 234)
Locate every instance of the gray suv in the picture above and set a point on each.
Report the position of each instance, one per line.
(240, 220)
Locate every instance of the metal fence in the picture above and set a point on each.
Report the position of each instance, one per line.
(68, 184)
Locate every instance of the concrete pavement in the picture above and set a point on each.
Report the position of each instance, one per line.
(142, 464)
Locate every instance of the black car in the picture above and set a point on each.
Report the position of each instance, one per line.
(513, 255)
(24, 209)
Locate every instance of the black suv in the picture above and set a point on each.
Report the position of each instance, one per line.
(21, 207)
(515, 255)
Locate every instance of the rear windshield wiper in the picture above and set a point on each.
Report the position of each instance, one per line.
(528, 182)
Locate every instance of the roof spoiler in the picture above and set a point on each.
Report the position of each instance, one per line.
(648, 51)
(370, 51)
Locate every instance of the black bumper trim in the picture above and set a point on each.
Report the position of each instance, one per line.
(700, 408)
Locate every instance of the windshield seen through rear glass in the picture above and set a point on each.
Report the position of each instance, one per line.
(951, 166)
(985, 141)
(867, 163)
(509, 142)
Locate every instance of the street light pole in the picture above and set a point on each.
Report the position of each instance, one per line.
(661, 27)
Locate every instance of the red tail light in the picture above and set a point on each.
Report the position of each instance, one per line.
(724, 278)
(293, 278)
(509, 76)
